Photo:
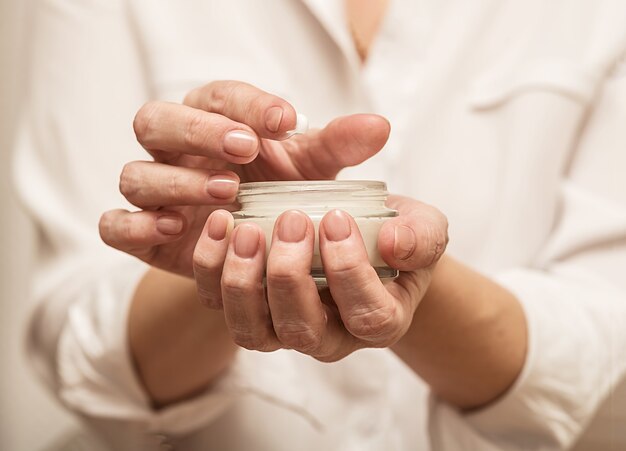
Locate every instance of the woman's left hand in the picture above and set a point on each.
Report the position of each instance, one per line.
(356, 310)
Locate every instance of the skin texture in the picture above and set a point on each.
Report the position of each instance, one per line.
(467, 340)
(188, 143)
(178, 345)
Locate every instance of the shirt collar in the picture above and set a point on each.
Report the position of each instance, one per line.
(331, 16)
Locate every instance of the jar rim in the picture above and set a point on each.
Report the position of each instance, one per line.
(251, 188)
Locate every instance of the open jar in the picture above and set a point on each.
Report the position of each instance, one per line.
(262, 203)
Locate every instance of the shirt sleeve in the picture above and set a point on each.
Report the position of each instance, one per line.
(86, 81)
(574, 301)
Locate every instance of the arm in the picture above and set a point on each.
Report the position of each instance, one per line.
(573, 296)
(468, 337)
(178, 345)
(74, 137)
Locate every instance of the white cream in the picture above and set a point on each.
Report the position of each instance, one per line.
(302, 126)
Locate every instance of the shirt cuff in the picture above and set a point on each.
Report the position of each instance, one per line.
(570, 366)
(97, 377)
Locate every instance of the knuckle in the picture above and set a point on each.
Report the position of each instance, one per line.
(176, 186)
(437, 240)
(346, 270)
(143, 123)
(248, 339)
(283, 274)
(245, 339)
(435, 236)
(195, 135)
(259, 102)
(202, 264)
(237, 286)
(209, 297)
(377, 324)
(220, 93)
(438, 249)
(298, 335)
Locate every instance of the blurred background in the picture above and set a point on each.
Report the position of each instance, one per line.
(30, 420)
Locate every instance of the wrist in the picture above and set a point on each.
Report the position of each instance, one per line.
(166, 300)
(468, 337)
(178, 345)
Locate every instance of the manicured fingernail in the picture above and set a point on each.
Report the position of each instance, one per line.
(404, 242)
(222, 187)
(246, 241)
(336, 225)
(240, 143)
(169, 225)
(218, 225)
(273, 118)
(292, 227)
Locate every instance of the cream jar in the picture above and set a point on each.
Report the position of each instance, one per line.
(262, 203)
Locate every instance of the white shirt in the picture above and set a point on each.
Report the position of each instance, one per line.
(508, 116)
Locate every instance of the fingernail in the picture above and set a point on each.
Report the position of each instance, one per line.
(169, 225)
(292, 227)
(240, 143)
(222, 187)
(246, 241)
(218, 225)
(404, 242)
(273, 118)
(336, 225)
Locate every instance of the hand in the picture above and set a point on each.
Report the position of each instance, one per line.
(224, 132)
(356, 311)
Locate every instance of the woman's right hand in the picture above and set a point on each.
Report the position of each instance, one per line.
(223, 133)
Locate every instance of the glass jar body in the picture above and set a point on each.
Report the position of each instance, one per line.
(262, 203)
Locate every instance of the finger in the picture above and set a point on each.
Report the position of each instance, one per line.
(169, 127)
(138, 233)
(243, 296)
(149, 184)
(301, 321)
(346, 141)
(209, 255)
(416, 238)
(268, 115)
(368, 311)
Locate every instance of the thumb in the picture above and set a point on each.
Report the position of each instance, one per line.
(346, 141)
(414, 239)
